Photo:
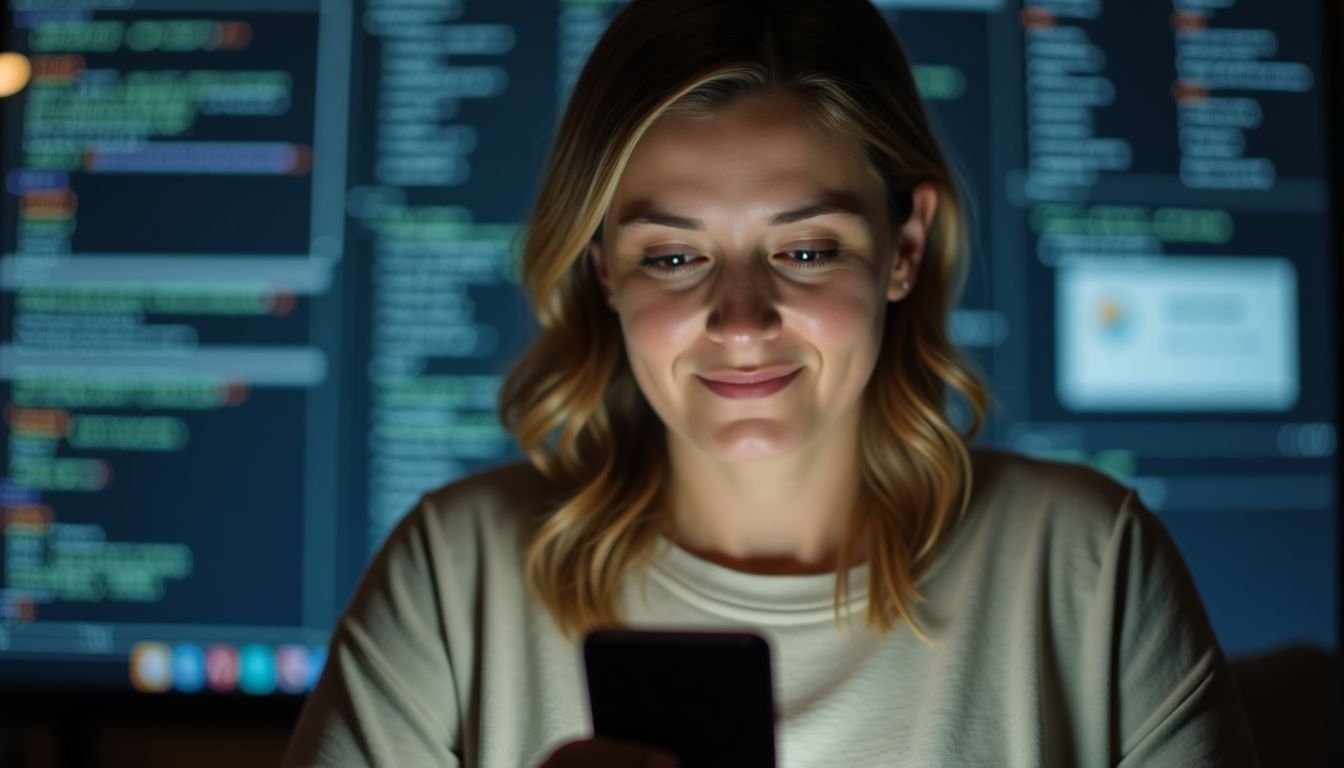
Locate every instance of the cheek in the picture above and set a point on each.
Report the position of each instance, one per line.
(658, 325)
(843, 315)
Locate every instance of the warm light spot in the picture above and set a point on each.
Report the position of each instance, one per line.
(14, 73)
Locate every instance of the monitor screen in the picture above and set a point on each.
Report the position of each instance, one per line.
(258, 293)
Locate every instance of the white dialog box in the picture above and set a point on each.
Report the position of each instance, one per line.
(1177, 334)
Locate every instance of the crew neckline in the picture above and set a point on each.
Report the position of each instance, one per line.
(782, 598)
(757, 597)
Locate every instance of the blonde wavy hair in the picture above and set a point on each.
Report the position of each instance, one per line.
(572, 403)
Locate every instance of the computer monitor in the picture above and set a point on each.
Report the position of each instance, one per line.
(257, 294)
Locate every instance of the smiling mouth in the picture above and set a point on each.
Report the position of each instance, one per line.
(749, 385)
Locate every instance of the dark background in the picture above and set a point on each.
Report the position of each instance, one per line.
(282, 494)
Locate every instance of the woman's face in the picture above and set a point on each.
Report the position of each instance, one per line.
(750, 259)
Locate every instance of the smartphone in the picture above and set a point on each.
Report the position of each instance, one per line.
(706, 697)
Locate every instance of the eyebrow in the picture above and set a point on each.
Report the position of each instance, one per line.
(643, 212)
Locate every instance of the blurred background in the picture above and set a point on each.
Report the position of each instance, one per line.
(257, 295)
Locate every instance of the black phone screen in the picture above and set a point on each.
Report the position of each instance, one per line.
(706, 697)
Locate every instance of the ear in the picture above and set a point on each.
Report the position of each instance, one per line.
(910, 241)
(599, 265)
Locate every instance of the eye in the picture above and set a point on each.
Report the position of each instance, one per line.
(810, 258)
(668, 263)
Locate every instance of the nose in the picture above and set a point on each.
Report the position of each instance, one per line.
(743, 313)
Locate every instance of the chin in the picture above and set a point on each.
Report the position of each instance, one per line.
(751, 440)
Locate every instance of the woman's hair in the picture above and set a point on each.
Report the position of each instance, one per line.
(572, 402)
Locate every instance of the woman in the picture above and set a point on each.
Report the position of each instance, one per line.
(741, 259)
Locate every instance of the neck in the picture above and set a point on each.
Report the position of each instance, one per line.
(782, 515)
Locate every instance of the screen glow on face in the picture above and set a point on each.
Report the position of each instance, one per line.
(748, 257)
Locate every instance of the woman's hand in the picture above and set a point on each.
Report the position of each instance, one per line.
(605, 753)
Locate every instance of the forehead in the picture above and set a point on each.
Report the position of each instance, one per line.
(763, 151)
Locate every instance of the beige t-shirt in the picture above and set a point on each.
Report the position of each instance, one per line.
(1065, 632)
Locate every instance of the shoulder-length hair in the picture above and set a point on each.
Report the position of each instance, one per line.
(572, 403)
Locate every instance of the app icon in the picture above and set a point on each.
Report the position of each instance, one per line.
(291, 668)
(151, 667)
(221, 668)
(188, 667)
(257, 669)
(316, 661)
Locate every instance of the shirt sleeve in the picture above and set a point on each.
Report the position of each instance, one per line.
(1175, 700)
(387, 696)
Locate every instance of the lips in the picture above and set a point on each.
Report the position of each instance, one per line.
(749, 385)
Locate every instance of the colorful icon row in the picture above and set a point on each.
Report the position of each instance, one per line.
(254, 668)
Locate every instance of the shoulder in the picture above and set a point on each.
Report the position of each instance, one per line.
(1076, 531)
(1030, 518)
(1026, 484)
(506, 500)
(486, 515)
(508, 493)
(1076, 555)
(1066, 503)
